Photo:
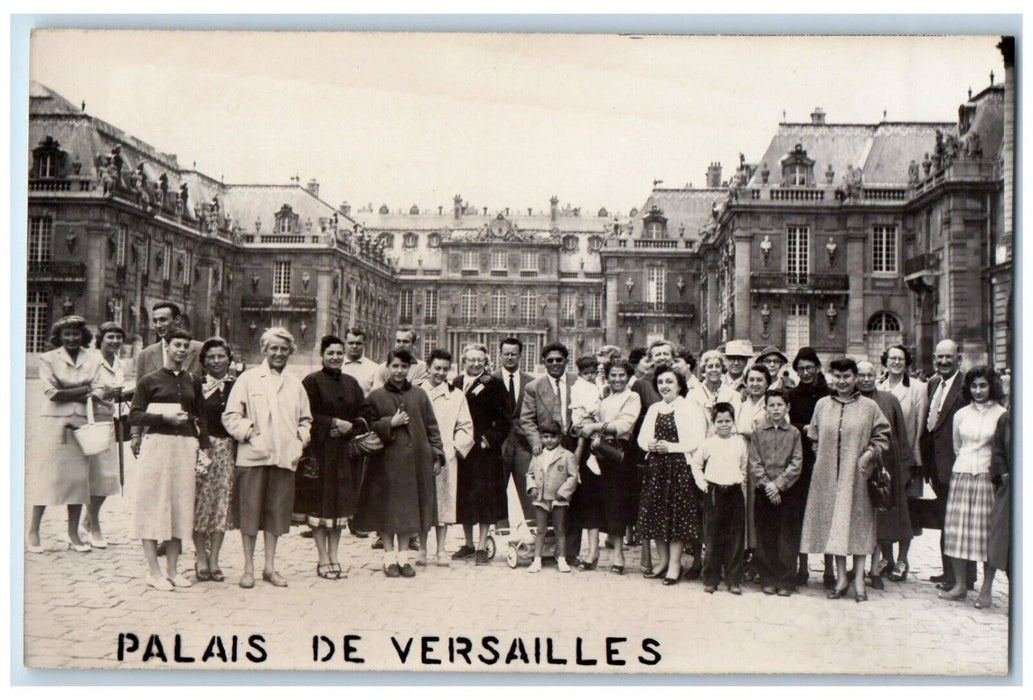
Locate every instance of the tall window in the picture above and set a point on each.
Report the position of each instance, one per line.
(798, 328)
(595, 309)
(166, 263)
(498, 307)
(45, 165)
(37, 321)
(528, 261)
(499, 261)
(797, 248)
(468, 306)
(116, 310)
(528, 308)
(430, 306)
(883, 332)
(41, 236)
(884, 249)
(568, 307)
(188, 267)
(797, 175)
(655, 331)
(532, 348)
(656, 284)
(470, 260)
(653, 229)
(120, 246)
(429, 346)
(281, 278)
(285, 224)
(405, 302)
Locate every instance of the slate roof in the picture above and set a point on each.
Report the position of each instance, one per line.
(883, 151)
(587, 222)
(690, 210)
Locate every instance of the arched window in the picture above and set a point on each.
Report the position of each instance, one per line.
(498, 307)
(410, 240)
(468, 306)
(570, 243)
(528, 308)
(387, 240)
(883, 331)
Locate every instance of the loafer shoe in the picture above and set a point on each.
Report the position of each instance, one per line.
(463, 552)
(392, 571)
(481, 557)
(407, 571)
(274, 578)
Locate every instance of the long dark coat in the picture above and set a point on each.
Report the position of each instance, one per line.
(398, 492)
(331, 498)
(899, 460)
(481, 483)
(1000, 516)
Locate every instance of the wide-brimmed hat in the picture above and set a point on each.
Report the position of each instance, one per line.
(771, 350)
(739, 348)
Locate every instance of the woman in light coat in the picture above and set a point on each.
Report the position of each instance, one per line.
(914, 399)
(453, 416)
(268, 414)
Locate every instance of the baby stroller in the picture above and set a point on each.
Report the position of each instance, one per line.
(520, 550)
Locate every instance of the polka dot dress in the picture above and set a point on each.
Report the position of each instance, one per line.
(671, 506)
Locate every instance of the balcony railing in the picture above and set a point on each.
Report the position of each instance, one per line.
(48, 184)
(654, 243)
(797, 195)
(667, 308)
(918, 264)
(514, 324)
(785, 281)
(278, 303)
(594, 323)
(55, 271)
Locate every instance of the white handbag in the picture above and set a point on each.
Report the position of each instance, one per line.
(93, 438)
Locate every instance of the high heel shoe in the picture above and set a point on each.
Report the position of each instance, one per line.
(837, 592)
(861, 597)
(587, 565)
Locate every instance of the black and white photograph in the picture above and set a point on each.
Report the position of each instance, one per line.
(555, 353)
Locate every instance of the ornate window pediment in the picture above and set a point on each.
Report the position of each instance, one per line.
(570, 243)
(434, 240)
(797, 168)
(48, 159)
(410, 240)
(286, 221)
(654, 223)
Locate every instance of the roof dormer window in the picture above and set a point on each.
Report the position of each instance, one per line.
(797, 168)
(654, 223)
(48, 159)
(286, 221)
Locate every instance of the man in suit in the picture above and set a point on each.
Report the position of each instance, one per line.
(166, 317)
(516, 450)
(548, 398)
(937, 441)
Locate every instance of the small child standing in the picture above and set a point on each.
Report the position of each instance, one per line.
(776, 460)
(584, 404)
(719, 467)
(551, 481)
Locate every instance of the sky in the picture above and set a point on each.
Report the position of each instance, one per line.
(504, 120)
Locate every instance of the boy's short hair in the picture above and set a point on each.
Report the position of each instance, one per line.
(779, 393)
(550, 427)
(586, 362)
(722, 407)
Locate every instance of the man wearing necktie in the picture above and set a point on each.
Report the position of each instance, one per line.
(516, 450)
(937, 440)
(548, 399)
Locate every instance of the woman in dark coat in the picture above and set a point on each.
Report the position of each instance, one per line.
(893, 525)
(802, 399)
(1000, 516)
(327, 484)
(398, 498)
(481, 482)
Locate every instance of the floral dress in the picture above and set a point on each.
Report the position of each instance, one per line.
(671, 505)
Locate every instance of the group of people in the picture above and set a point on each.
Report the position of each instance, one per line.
(737, 468)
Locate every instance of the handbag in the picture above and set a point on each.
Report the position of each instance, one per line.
(880, 487)
(608, 449)
(308, 466)
(368, 443)
(93, 438)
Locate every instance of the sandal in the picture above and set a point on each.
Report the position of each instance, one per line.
(325, 571)
(899, 572)
(655, 573)
(337, 570)
(202, 574)
(218, 576)
(586, 565)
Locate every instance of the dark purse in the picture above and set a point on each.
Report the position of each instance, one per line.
(880, 487)
(608, 449)
(308, 466)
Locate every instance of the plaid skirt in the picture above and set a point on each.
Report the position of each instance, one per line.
(966, 526)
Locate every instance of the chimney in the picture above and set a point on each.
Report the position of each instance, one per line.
(529, 211)
(818, 116)
(312, 187)
(485, 210)
(345, 208)
(554, 204)
(440, 209)
(714, 175)
(507, 211)
(457, 206)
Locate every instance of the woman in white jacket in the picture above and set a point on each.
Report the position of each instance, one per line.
(671, 506)
(268, 414)
(456, 426)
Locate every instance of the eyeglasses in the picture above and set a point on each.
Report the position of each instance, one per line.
(555, 361)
